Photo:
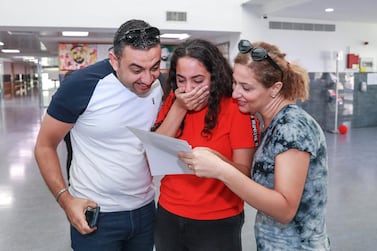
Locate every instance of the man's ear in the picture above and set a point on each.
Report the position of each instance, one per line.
(113, 60)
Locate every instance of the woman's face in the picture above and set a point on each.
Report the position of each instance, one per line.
(191, 73)
(251, 95)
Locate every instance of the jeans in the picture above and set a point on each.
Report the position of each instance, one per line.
(175, 233)
(119, 231)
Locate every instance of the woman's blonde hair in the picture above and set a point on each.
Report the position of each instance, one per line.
(295, 78)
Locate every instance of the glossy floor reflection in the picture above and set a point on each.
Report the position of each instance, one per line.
(31, 220)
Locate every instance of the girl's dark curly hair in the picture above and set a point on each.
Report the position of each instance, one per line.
(221, 76)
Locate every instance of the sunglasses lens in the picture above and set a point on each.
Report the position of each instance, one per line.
(258, 54)
(244, 46)
(149, 33)
(152, 32)
(130, 37)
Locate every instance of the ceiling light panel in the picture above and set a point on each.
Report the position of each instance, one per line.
(10, 51)
(75, 33)
(179, 36)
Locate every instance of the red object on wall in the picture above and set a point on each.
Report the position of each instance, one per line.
(351, 60)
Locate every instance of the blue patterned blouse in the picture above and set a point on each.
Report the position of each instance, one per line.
(294, 128)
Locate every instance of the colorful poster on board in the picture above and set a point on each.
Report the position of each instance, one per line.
(166, 51)
(76, 56)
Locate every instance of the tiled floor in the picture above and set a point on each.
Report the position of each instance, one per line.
(30, 219)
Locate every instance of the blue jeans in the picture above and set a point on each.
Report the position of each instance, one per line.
(175, 233)
(119, 231)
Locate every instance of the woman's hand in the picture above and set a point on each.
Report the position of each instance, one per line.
(204, 162)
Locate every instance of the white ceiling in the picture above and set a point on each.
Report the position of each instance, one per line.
(29, 39)
(345, 10)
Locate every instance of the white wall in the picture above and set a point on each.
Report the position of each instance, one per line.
(314, 50)
(317, 50)
(210, 15)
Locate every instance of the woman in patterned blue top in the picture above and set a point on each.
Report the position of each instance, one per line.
(290, 168)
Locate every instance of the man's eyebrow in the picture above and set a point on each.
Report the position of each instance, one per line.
(157, 63)
(135, 65)
(141, 67)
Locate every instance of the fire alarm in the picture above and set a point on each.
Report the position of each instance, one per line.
(366, 43)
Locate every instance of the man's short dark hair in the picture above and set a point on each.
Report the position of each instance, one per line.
(136, 33)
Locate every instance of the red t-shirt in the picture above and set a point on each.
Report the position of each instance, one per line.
(203, 198)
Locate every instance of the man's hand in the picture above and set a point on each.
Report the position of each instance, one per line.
(75, 209)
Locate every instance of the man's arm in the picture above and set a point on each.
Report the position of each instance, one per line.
(51, 133)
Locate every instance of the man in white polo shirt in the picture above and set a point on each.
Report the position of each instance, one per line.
(109, 169)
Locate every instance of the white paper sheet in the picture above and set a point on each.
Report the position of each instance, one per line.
(162, 152)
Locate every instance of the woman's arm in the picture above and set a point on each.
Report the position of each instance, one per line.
(241, 159)
(281, 203)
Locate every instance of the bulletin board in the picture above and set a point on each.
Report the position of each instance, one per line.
(224, 49)
(166, 52)
(76, 56)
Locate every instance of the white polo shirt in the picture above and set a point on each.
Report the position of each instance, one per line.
(109, 164)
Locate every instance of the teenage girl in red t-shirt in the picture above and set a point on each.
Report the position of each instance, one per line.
(199, 213)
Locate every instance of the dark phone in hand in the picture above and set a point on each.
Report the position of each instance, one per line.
(91, 215)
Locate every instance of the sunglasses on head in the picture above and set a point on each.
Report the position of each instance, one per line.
(149, 33)
(257, 54)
